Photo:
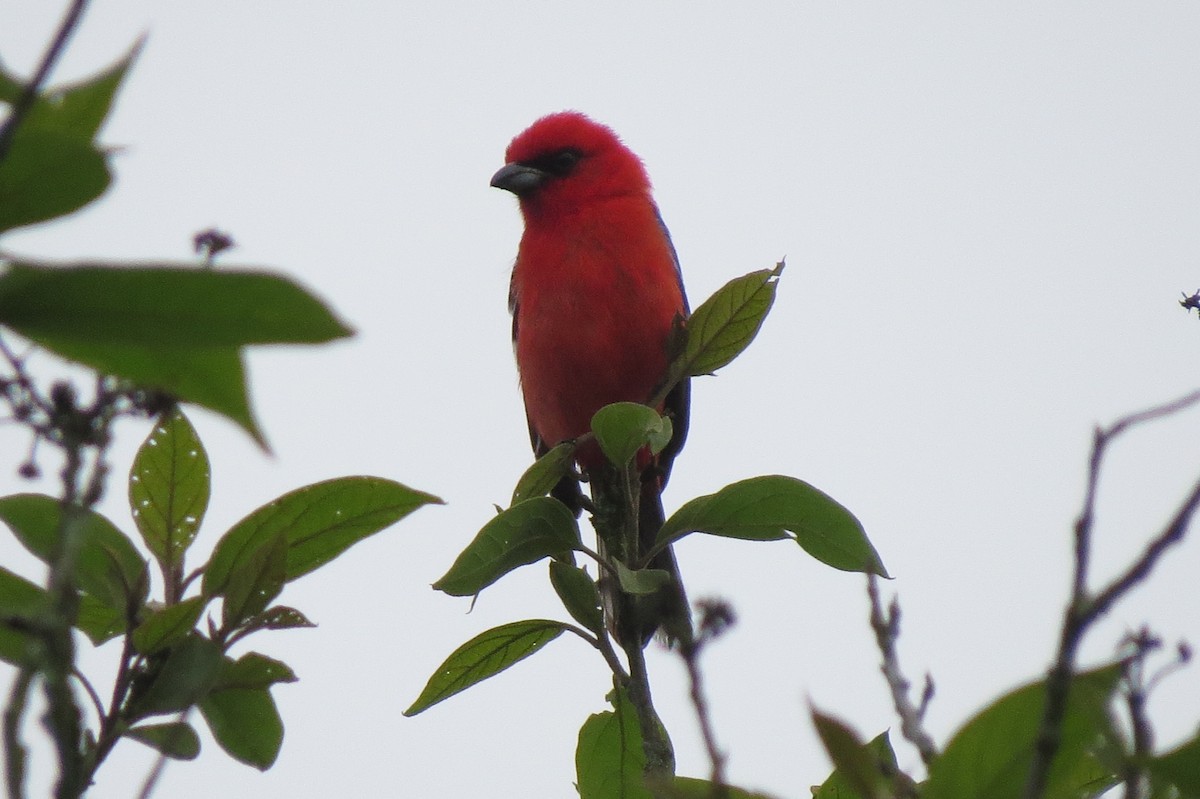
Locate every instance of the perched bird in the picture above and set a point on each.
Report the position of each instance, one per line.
(596, 297)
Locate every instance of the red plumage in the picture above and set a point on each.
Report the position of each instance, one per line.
(595, 293)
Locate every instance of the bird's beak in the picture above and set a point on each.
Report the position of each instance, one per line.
(518, 178)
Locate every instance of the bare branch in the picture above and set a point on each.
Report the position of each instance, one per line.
(1082, 610)
(912, 717)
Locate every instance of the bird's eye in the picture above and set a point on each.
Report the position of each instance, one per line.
(563, 162)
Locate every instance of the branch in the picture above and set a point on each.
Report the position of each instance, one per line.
(912, 717)
(1082, 611)
(28, 97)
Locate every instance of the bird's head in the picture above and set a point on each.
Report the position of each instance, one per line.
(564, 161)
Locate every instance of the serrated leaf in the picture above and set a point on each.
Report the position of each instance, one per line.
(525, 533)
(767, 509)
(320, 521)
(254, 581)
(728, 321)
(108, 565)
(609, 760)
(540, 478)
(484, 656)
(253, 670)
(168, 626)
(623, 428)
(169, 488)
(578, 593)
(186, 675)
(174, 739)
(989, 758)
(852, 759)
(246, 724)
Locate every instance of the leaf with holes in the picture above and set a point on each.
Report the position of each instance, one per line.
(537, 528)
(484, 656)
(320, 522)
(169, 488)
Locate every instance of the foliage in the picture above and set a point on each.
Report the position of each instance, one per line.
(155, 336)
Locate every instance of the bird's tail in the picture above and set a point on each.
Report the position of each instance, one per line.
(664, 612)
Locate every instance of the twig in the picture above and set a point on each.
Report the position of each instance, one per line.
(24, 103)
(1082, 611)
(14, 759)
(1135, 689)
(912, 717)
(715, 618)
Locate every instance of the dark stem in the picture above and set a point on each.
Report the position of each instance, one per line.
(912, 717)
(14, 758)
(28, 97)
(1082, 611)
(690, 651)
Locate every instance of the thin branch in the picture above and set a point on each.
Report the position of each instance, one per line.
(716, 617)
(14, 758)
(912, 717)
(1082, 610)
(28, 97)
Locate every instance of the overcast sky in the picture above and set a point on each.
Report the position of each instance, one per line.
(988, 213)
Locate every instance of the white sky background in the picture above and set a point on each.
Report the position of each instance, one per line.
(988, 215)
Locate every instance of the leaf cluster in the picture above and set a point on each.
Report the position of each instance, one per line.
(176, 656)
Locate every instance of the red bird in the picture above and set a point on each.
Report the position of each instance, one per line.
(595, 296)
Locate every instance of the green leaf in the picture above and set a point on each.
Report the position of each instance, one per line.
(177, 306)
(623, 428)
(578, 593)
(989, 758)
(609, 760)
(855, 763)
(1179, 767)
(187, 673)
(545, 473)
(728, 321)
(212, 377)
(862, 767)
(525, 533)
(253, 670)
(486, 655)
(81, 108)
(767, 509)
(642, 581)
(254, 581)
(320, 522)
(20, 600)
(10, 86)
(168, 626)
(692, 788)
(48, 174)
(108, 565)
(246, 723)
(169, 488)
(98, 621)
(174, 739)
(279, 617)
